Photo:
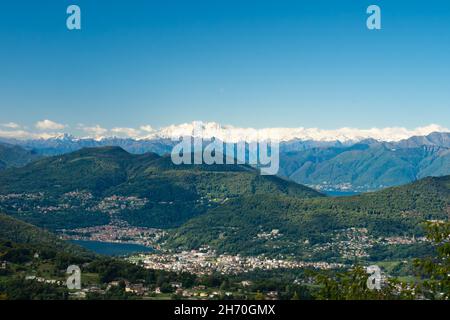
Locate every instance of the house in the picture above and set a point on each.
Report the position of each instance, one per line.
(3, 265)
(179, 292)
(138, 289)
(94, 290)
(200, 287)
(78, 294)
(272, 295)
(113, 284)
(246, 283)
(158, 290)
(187, 294)
(177, 285)
(52, 281)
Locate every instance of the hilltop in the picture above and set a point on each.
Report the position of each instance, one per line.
(89, 186)
(15, 156)
(339, 163)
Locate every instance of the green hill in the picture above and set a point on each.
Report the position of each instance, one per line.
(34, 264)
(245, 225)
(15, 156)
(90, 186)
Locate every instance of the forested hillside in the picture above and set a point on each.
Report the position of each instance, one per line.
(245, 225)
(90, 186)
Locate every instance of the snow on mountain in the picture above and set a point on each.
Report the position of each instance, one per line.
(228, 133)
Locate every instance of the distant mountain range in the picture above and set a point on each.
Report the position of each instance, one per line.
(365, 166)
(327, 165)
(208, 130)
(15, 156)
(67, 143)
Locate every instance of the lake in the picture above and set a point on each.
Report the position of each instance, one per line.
(112, 248)
(341, 193)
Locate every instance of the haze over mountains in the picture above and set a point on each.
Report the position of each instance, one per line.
(368, 165)
(345, 164)
(90, 186)
(15, 156)
(59, 184)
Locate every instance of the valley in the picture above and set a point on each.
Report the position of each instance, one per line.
(203, 222)
(224, 150)
(346, 165)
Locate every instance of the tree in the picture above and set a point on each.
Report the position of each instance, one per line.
(259, 296)
(436, 270)
(352, 285)
(225, 285)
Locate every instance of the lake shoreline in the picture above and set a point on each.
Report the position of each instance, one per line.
(112, 248)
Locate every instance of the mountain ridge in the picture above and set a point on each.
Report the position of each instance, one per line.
(330, 166)
(283, 225)
(163, 144)
(82, 188)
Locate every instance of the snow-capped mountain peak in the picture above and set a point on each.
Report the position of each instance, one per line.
(228, 133)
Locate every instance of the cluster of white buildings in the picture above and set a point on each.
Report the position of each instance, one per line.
(116, 231)
(115, 204)
(81, 200)
(43, 280)
(201, 263)
(355, 242)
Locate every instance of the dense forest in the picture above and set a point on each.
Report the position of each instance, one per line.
(172, 194)
(234, 227)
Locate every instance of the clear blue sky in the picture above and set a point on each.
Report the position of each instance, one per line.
(246, 63)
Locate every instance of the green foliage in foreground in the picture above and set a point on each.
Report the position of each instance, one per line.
(21, 289)
(352, 285)
(52, 263)
(434, 271)
(30, 251)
